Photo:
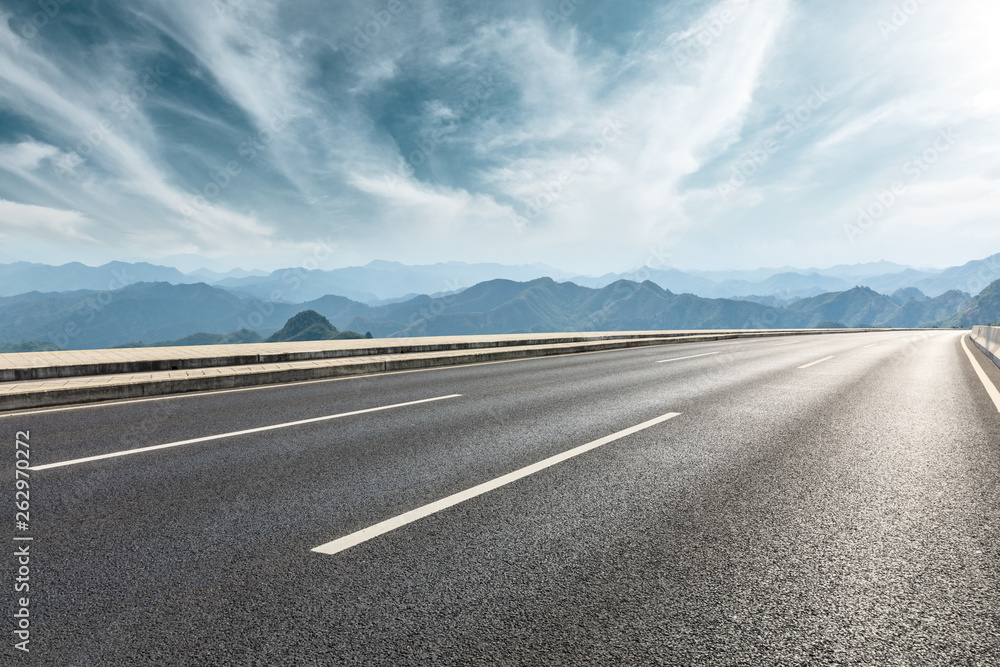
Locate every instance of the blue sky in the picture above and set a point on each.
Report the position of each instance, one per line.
(586, 134)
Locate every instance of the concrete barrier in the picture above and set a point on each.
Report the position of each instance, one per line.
(27, 366)
(987, 339)
(33, 380)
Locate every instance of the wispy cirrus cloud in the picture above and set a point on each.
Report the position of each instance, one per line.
(42, 223)
(512, 132)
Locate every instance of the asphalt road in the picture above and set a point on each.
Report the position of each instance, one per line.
(793, 512)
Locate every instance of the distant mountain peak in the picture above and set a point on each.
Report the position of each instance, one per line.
(307, 325)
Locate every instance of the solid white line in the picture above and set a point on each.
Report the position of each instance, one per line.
(236, 433)
(817, 362)
(693, 356)
(990, 387)
(388, 525)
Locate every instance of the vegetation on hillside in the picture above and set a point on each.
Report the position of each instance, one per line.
(310, 325)
(985, 307)
(236, 337)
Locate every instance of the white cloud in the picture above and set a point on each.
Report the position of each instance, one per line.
(25, 156)
(532, 172)
(41, 222)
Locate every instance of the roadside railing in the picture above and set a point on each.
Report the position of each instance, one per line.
(987, 339)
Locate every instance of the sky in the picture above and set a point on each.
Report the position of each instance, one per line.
(588, 135)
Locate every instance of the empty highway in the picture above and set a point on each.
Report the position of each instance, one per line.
(827, 499)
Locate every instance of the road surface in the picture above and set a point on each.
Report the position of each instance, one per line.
(806, 500)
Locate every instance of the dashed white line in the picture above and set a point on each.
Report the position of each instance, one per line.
(990, 387)
(388, 525)
(693, 356)
(872, 345)
(233, 434)
(818, 362)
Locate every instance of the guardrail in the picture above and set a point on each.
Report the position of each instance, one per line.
(987, 339)
(42, 379)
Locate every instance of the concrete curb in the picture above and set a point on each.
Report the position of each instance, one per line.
(452, 354)
(171, 361)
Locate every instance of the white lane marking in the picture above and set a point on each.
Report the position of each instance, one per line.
(818, 362)
(983, 377)
(872, 345)
(388, 525)
(788, 343)
(693, 356)
(233, 434)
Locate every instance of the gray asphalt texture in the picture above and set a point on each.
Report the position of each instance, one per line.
(845, 513)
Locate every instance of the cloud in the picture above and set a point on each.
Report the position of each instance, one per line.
(496, 131)
(43, 223)
(25, 156)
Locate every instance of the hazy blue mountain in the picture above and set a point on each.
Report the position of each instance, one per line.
(747, 275)
(972, 277)
(864, 306)
(853, 307)
(544, 305)
(23, 277)
(378, 329)
(890, 283)
(378, 280)
(849, 273)
(171, 313)
(905, 294)
(142, 312)
(854, 272)
(915, 313)
(767, 300)
(212, 277)
(784, 285)
(674, 280)
(236, 337)
(381, 282)
(787, 282)
(984, 308)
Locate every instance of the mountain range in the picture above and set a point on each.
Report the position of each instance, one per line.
(144, 312)
(381, 282)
